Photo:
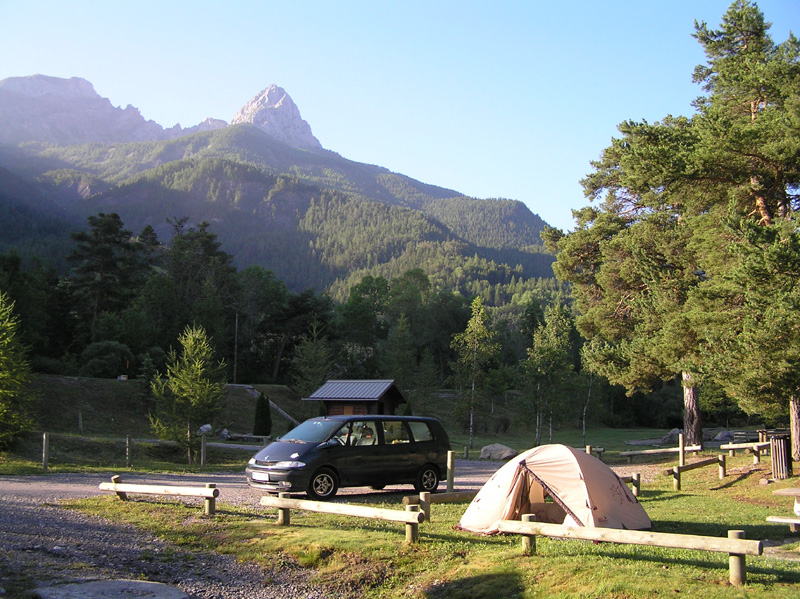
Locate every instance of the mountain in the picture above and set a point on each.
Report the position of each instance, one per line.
(271, 193)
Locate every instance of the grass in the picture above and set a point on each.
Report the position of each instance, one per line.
(369, 559)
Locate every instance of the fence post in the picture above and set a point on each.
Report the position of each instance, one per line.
(528, 541)
(203, 449)
(681, 450)
(45, 450)
(589, 449)
(412, 529)
(425, 504)
(466, 452)
(128, 451)
(736, 563)
(451, 470)
(284, 514)
(721, 460)
(636, 481)
(210, 504)
(676, 478)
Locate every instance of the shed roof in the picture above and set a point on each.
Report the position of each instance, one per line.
(360, 390)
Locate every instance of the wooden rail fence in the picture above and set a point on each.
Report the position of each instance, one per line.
(735, 545)
(676, 471)
(411, 517)
(209, 492)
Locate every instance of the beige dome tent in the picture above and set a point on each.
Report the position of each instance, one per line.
(560, 485)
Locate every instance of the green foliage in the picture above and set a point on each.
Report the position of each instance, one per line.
(191, 393)
(476, 347)
(15, 399)
(106, 359)
(262, 422)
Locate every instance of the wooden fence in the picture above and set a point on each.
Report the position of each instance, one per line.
(209, 492)
(735, 545)
(411, 517)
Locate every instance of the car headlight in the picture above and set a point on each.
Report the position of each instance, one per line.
(251, 462)
(292, 464)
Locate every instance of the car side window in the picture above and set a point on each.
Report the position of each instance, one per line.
(395, 432)
(364, 433)
(343, 435)
(421, 431)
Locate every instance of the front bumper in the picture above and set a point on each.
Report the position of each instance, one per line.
(276, 481)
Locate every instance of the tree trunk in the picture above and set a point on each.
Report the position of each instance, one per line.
(794, 425)
(692, 427)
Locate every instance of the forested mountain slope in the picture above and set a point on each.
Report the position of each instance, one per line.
(314, 218)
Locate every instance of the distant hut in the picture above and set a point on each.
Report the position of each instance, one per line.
(358, 397)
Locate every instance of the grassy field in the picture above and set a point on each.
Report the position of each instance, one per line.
(369, 559)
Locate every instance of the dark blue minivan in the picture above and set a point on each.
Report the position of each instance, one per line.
(323, 454)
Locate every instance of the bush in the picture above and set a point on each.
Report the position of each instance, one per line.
(263, 418)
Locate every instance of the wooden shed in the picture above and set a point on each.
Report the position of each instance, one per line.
(359, 397)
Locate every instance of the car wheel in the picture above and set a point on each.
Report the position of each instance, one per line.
(427, 479)
(323, 484)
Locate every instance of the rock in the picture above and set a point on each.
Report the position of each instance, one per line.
(724, 436)
(275, 113)
(497, 451)
(671, 438)
(224, 434)
(205, 429)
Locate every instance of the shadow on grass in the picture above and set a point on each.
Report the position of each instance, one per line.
(507, 585)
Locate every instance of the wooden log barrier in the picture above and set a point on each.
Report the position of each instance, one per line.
(636, 482)
(754, 448)
(209, 492)
(736, 546)
(675, 471)
(411, 517)
(663, 451)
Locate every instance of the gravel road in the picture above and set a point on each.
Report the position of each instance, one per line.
(52, 545)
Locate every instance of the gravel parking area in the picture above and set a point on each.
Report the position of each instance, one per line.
(52, 545)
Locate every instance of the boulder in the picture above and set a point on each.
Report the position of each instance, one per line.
(497, 451)
(671, 438)
(724, 436)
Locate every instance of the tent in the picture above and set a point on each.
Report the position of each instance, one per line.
(560, 485)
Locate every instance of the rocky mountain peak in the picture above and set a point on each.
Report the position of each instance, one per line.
(275, 112)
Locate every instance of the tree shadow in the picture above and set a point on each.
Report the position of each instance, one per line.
(507, 585)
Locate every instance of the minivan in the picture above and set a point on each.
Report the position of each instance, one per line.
(323, 454)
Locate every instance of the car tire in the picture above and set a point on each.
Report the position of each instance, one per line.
(323, 485)
(427, 479)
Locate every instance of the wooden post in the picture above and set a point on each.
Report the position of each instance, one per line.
(676, 478)
(736, 563)
(721, 459)
(451, 470)
(412, 529)
(80, 422)
(466, 452)
(45, 450)
(636, 481)
(128, 451)
(528, 541)
(425, 504)
(210, 504)
(116, 479)
(284, 514)
(589, 449)
(681, 451)
(203, 449)
(756, 455)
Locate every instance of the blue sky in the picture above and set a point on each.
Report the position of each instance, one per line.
(504, 99)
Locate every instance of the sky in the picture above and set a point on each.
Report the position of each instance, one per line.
(494, 99)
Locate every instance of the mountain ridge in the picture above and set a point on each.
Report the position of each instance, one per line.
(306, 213)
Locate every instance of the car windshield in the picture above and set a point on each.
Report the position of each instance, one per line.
(312, 431)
